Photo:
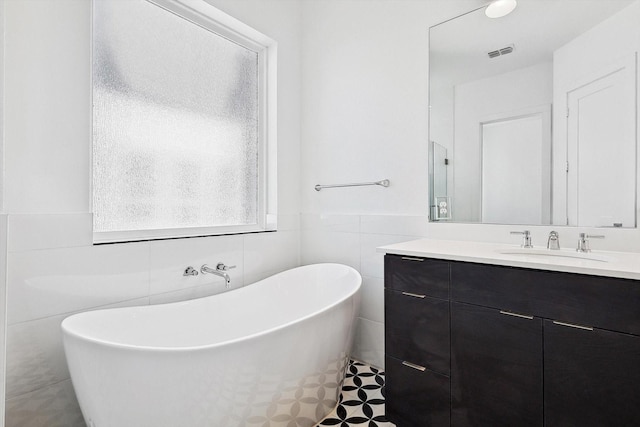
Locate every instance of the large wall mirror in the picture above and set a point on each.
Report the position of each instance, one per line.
(534, 116)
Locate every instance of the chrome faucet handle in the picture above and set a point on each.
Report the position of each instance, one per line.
(190, 271)
(583, 242)
(223, 267)
(553, 242)
(526, 238)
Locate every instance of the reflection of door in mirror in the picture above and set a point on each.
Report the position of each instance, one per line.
(601, 148)
(516, 178)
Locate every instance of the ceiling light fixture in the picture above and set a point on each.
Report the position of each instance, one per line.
(500, 8)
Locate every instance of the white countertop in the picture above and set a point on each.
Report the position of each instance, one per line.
(598, 263)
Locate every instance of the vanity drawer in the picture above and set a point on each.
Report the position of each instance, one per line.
(417, 330)
(416, 398)
(417, 275)
(604, 302)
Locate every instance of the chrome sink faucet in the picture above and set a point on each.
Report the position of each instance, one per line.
(553, 242)
(526, 238)
(583, 243)
(221, 270)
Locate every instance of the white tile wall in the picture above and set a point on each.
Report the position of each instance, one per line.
(372, 305)
(187, 293)
(52, 406)
(48, 282)
(40, 231)
(372, 261)
(330, 246)
(263, 253)
(352, 240)
(330, 222)
(35, 355)
(405, 225)
(369, 342)
(169, 259)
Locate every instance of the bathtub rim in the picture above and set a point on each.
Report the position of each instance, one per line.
(67, 332)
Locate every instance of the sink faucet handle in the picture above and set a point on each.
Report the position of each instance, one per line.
(554, 241)
(223, 267)
(526, 238)
(583, 242)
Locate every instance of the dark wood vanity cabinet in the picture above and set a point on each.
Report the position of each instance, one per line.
(496, 367)
(417, 347)
(481, 345)
(592, 377)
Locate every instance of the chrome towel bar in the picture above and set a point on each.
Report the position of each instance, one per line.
(383, 183)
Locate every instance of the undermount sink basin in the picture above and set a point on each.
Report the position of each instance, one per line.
(547, 253)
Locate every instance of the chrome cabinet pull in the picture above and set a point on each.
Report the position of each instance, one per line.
(571, 325)
(414, 366)
(409, 294)
(408, 258)
(522, 316)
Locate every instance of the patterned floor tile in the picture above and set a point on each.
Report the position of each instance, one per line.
(362, 399)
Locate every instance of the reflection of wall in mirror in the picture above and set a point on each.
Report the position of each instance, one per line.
(474, 102)
(606, 47)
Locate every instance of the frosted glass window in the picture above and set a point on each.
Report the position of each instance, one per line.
(176, 124)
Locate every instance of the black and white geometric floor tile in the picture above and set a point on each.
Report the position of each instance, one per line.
(362, 399)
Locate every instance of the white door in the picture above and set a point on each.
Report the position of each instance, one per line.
(516, 177)
(601, 149)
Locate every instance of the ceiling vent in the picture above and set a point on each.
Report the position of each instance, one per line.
(500, 52)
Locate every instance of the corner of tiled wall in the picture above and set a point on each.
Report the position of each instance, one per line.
(352, 240)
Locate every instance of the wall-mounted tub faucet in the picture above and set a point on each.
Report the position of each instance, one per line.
(221, 270)
(526, 238)
(553, 242)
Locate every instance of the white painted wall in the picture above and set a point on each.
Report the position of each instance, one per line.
(479, 101)
(365, 91)
(53, 269)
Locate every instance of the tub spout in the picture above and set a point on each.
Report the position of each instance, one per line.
(220, 270)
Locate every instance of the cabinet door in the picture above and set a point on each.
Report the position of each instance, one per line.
(415, 397)
(591, 377)
(417, 330)
(496, 368)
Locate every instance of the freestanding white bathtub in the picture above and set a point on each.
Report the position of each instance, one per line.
(270, 354)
